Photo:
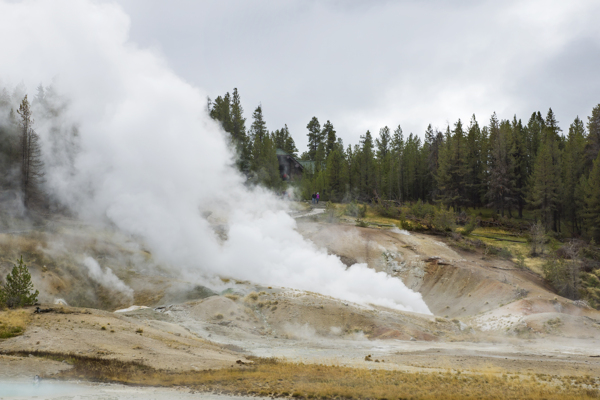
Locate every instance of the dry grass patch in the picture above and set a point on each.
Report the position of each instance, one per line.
(13, 323)
(269, 377)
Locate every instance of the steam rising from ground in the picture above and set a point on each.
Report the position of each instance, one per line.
(106, 277)
(151, 160)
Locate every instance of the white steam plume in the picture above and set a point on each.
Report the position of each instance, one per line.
(151, 159)
(106, 277)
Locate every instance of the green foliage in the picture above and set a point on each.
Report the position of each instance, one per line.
(422, 210)
(469, 226)
(314, 137)
(330, 211)
(521, 260)
(17, 291)
(386, 209)
(361, 223)
(354, 209)
(537, 235)
(10, 331)
(563, 275)
(444, 220)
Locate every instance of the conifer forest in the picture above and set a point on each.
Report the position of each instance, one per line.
(519, 168)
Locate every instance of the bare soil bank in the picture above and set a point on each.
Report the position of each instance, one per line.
(489, 316)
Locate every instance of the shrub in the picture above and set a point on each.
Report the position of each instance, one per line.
(354, 209)
(361, 223)
(538, 238)
(564, 276)
(330, 211)
(422, 210)
(386, 209)
(469, 226)
(17, 291)
(444, 220)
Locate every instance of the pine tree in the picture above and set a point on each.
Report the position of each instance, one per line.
(314, 137)
(519, 164)
(367, 184)
(32, 165)
(396, 155)
(264, 156)
(591, 191)
(434, 140)
(328, 135)
(475, 163)
(337, 174)
(573, 169)
(453, 168)
(545, 184)
(383, 162)
(284, 141)
(238, 132)
(17, 291)
(534, 130)
(500, 186)
(593, 139)
(220, 110)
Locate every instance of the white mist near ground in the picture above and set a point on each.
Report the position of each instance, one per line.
(106, 277)
(151, 160)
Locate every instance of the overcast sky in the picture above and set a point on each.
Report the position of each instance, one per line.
(366, 64)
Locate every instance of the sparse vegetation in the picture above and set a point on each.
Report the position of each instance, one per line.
(361, 223)
(270, 377)
(13, 323)
(354, 209)
(252, 296)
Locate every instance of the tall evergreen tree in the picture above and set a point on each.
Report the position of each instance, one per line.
(593, 138)
(221, 111)
(382, 143)
(337, 174)
(238, 132)
(314, 137)
(534, 130)
(453, 168)
(264, 162)
(519, 164)
(573, 169)
(591, 190)
(367, 167)
(545, 184)
(500, 186)
(328, 135)
(32, 165)
(475, 163)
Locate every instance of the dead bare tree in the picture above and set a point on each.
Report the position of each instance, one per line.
(32, 166)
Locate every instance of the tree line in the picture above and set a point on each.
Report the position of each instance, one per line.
(507, 165)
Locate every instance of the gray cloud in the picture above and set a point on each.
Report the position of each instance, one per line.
(366, 64)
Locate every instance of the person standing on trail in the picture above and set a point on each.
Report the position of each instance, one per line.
(318, 197)
(314, 198)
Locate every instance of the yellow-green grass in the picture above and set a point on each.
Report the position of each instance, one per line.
(13, 322)
(516, 244)
(270, 377)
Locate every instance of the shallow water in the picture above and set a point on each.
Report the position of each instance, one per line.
(93, 391)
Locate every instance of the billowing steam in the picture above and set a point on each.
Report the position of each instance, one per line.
(106, 277)
(152, 162)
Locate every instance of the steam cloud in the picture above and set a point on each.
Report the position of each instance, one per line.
(106, 277)
(151, 160)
